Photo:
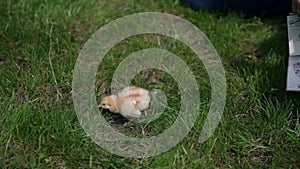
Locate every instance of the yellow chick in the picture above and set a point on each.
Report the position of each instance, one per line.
(129, 102)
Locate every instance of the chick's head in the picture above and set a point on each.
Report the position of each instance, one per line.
(109, 102)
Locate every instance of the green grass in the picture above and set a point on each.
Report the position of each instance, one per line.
(40, 42)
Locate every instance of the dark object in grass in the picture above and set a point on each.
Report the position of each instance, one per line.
(252, 7)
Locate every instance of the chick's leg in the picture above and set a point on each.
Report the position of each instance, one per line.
(145, 112)
(129, 122)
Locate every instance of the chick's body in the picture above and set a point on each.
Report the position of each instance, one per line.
(129, 102)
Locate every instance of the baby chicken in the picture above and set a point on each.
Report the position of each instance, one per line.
(129, 102)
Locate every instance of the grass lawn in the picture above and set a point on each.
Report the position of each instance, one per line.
(40, 42)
